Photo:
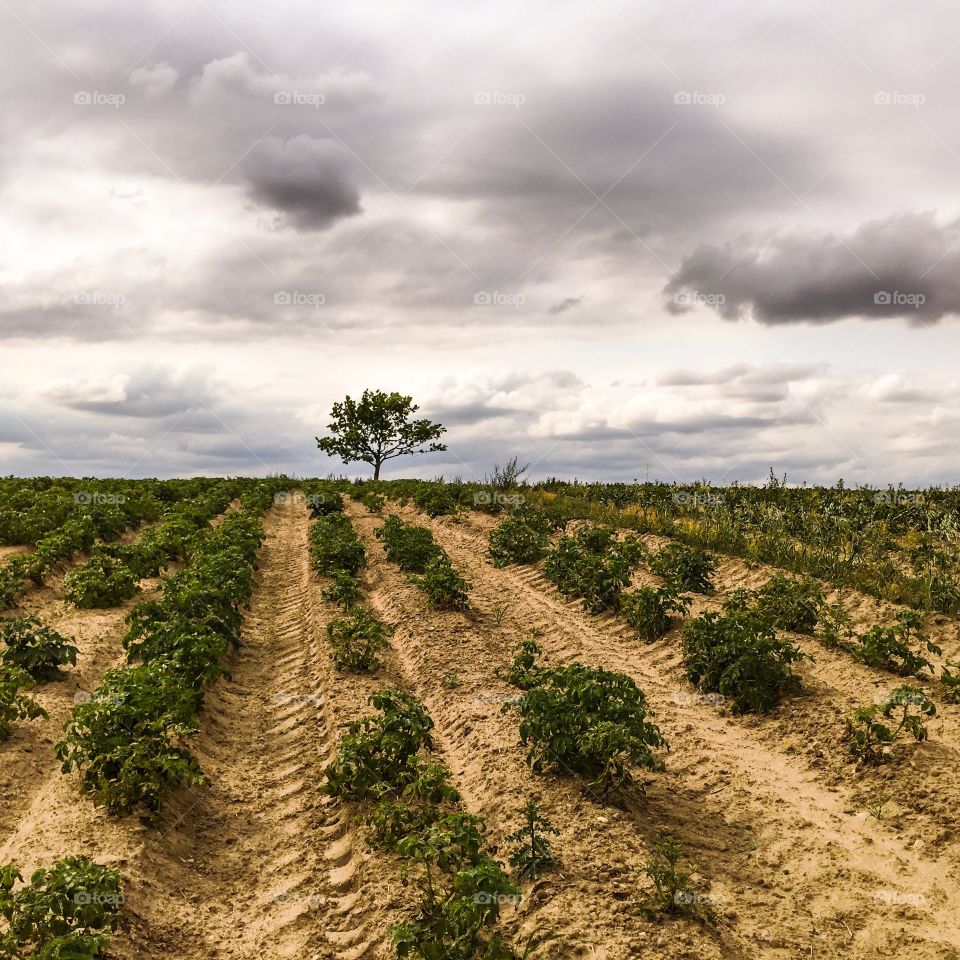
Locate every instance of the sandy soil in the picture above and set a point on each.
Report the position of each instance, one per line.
(769, 806)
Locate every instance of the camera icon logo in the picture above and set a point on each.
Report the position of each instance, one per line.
(83, 98)
(283, 97)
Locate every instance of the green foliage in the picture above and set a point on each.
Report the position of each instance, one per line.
(127, 741)
(343, 588)
(435, 500)
(791, 604)
(65, 913)
(422, 801)
(835, 626)
(379, 754)
(871, 731)
(103, 582)
(590, 722)
(670, 873)
(688, 568)
(411, 547)
(593, 565)
(651, 610)
(35, 648)
(444, 587)
(377, 428)
(517, 541)
(525, 672)
(532, 852)
(738, 654)
(15, 705)
(461, 891)
(374, 502)
(357, 640)
(892, 648)
(335, 546)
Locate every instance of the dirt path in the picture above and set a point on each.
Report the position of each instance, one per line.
(802, 872)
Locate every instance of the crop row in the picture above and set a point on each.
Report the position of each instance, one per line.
(128, 741)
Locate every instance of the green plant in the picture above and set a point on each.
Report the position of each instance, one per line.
(532, 852)
(35, 648)
(590, 722)
(689, 568)
(379, 753)
(524, 672)
(435, 500)
(875, 809)
(651, 611)
(462, 890)
(374, 502)
(103, 582)
(411, 547)
(15, 705)
(593, 565)
(835, 626)
(668, 870)
(517, 541)
(65, 913)
(335, 546)
(871, 738)
(892, 647)
(377, 428)
(451, 681)
(500, 613)
(344, 588)
(444, 587)
(739, 655)
(357, 639)
(791, 604)
(324, 503)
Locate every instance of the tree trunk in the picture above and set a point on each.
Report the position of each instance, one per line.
(376, 471)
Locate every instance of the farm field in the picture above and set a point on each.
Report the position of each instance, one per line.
(341, 720)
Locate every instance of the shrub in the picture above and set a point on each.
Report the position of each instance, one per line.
(689, 568)
(411, 547)
(532, 852)
(357, 639)
(64, 913)
(103, 582)
(378, 754)
(421, 802)
(835, 626)
(588, 721)
(374, 502)
(435, 500)
(335, 546)
(651, 611)
(324, 503)
(127, 740)
(791, 604)
(13, 704)
(444, 587)
(591, 564)
(738, 654)
(524, 672)
(891, 648)
(461, 892)
(35, 648)
(344, 588)
(516, 541)
(870, 738)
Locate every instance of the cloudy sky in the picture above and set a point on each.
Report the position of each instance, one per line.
(671, 239)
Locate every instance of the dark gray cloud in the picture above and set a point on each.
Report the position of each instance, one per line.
(306, 179)
(905, 266)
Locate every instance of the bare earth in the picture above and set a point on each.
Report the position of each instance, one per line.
(258, 863)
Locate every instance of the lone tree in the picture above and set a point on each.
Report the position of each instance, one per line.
(378, 428)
